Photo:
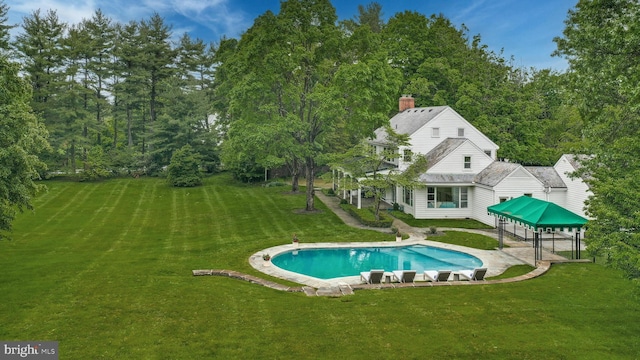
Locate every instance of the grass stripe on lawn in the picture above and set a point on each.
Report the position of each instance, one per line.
(105, 269)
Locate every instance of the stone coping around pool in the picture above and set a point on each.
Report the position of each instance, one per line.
(494, 260)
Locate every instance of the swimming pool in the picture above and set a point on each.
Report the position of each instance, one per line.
(323, 263)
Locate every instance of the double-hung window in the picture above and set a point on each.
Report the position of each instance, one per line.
(467, 162)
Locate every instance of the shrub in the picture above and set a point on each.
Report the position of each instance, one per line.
(183, 171)
(95, 167)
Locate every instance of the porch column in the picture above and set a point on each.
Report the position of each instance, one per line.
(344, 186)
(333, 179)
(537, 247)
(359, 197)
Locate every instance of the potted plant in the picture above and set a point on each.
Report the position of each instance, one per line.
(398, 236)
(266, 257)
(295, 241)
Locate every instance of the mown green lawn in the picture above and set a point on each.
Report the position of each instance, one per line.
(105, 269)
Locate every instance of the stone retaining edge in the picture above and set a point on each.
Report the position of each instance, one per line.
(543, 267)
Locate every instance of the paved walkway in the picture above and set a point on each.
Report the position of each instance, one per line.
(497, 261)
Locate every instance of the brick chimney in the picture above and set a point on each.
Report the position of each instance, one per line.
(406, 102)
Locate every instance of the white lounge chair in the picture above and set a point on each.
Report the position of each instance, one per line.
(475, 274)
(404, 276)
(372, 277)
(436, 276)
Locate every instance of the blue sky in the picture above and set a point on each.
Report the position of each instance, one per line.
(523, 28)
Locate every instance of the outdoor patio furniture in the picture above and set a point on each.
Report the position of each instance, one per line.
(404, 276)
(475, 274)
(436, 276)
(372, 277)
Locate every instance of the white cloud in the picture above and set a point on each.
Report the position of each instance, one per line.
(219, 16)
(215, 15)
(70, 11)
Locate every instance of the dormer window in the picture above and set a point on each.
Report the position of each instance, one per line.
(435, 132)
(460, 132)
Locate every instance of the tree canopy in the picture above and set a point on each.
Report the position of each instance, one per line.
(600, 42)
(22, 138)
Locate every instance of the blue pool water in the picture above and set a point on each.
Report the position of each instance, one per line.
(339, 262)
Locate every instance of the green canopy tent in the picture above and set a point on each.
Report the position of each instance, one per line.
(538, 215)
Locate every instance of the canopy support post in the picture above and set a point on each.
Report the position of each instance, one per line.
(501, 224)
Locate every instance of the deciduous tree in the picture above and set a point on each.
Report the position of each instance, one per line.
(601, 43)
(22, 138)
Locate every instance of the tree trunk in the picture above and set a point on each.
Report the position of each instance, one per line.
(73, 156)
(129, 133)
(295, 175)
(295, 185)
(376, 201)
(310, 172)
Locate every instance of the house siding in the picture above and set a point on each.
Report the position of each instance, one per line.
(448, 121)
(577, 191)
(520, 182)
(454, 162)
(482, 199)
(558, 197)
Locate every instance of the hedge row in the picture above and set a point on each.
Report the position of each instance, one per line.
(367, 216)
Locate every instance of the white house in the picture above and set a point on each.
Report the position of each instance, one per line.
(463, 176)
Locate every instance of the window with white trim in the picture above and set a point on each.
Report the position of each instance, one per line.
(407, 193)
(467, 162)
(407, 155)
(447, 197)
(390, 155)
(431, 197)
(460, 132)
(464, 197)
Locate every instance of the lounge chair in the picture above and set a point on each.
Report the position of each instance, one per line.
(404, 276)
(436, 276)
(372, 277)
(475, 274)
